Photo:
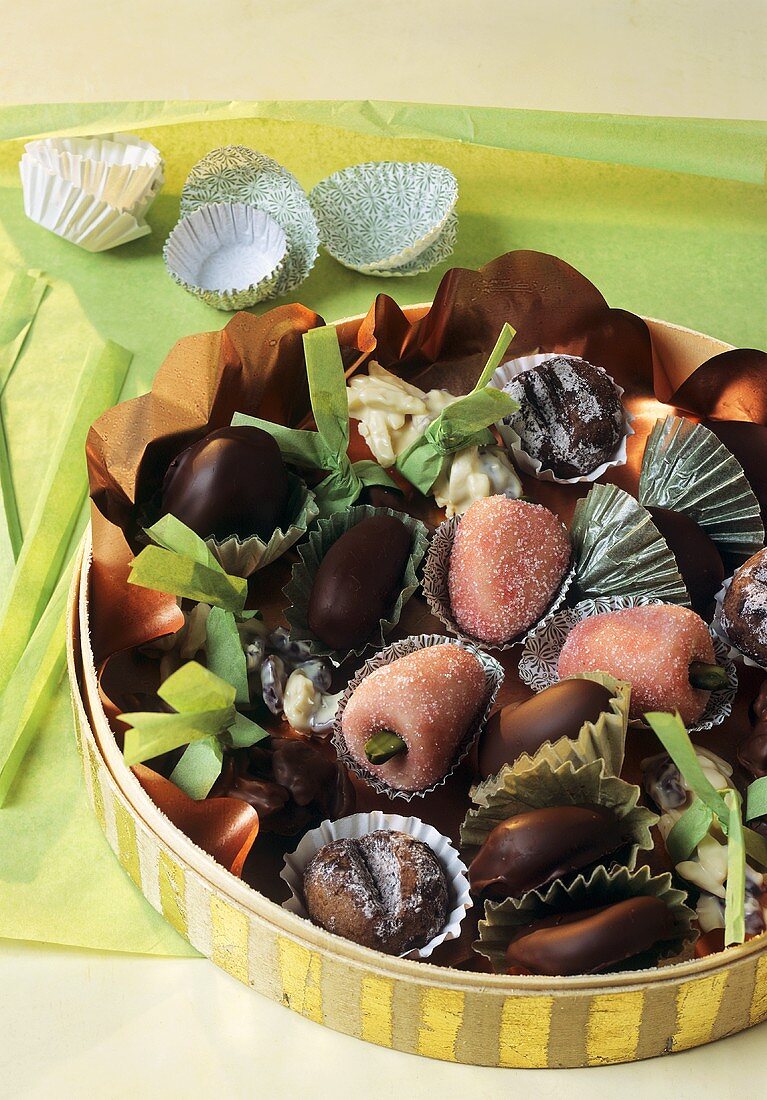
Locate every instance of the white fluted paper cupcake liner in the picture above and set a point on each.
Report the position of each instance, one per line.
(494, 676)
(436, 589)
(505, 374)
(540, 656)
(359, 825)
(720, 628)
(382, 216)
(66, 210)
(229, 255)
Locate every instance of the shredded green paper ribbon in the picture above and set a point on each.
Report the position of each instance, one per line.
(709, 803)
(204, 718)
(464, 423)
(756, 799)
(325, 449)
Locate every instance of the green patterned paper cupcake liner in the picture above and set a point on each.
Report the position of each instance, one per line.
(505, 919)
(311, 553)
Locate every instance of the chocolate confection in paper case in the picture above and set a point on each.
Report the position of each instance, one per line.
(256, 364)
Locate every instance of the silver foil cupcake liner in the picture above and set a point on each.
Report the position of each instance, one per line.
(505, 374)
(493, 679)
(359, 825)
(540, 656)
(437, 592)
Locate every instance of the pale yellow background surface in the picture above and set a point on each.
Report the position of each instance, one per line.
(81, 1024)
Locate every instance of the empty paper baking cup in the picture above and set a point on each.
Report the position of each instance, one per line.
(229, 255)
(359, 825)
(236, 174)
(65, 209)
(435, 254)
(383, 216)
(119, 169)
(538, 665)
(503, 377)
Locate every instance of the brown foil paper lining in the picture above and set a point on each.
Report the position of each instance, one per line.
(256, 365)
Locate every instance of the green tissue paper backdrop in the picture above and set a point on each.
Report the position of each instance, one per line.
(665, 216)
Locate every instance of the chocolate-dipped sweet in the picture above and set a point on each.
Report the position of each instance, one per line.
(559, 711)
(744, 611)
(591, 940)
(697, 557)
(231, 482)
(292, 784)
(385, 890)
(538, 846)
(570, 415)
(752, 750)
(358, 581)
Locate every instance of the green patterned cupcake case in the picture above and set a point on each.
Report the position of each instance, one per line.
(236, 174)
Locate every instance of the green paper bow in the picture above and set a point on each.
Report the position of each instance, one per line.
(326, 448)
(688, 831)
(464, 423)
(205, 719)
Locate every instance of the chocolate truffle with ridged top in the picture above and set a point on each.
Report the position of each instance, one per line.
(570, 416)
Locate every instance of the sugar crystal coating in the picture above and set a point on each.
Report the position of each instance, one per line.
(507, 562)
(745, 608)
(652, 647)
(430, 698)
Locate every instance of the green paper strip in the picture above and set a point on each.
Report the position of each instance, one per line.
(58, 506)
(756, 799)
(688, 831)
(153, 733)
(464, 423)
(18, 309)
(32, 686)
(224, 653)
(182, 565)
(193, 688)
(735, 898)
(243, 733)
(326, 448)
(199, 768)
(671, 732)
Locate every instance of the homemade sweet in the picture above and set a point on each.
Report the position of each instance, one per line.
(570, 417)
(559, 711)
(358, 581)
(385, 890)
(663, 650)
(697, 557)
(591, 940)
(507, 562)
(533, 849)
(744, 612)
(231, 482)
(291, 784)
(405, 721)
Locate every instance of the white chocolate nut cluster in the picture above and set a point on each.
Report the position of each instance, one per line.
(473, 474)
(307, 709)
(707, 866)
(391, 412)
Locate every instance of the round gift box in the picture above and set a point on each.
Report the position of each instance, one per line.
(480, 1019)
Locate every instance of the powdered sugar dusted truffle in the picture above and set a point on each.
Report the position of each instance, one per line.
(507, 562)
(653, 648)
(385, 890)
(429, 698)
(744, 612)
(570, 416)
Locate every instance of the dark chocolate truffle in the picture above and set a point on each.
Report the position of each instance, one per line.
(358, 581)
(385, 890)
(744, 613)
(697, 557)
(231, 482)
(570, 417)
(538, 846)
(559, 711)
(592, 939)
